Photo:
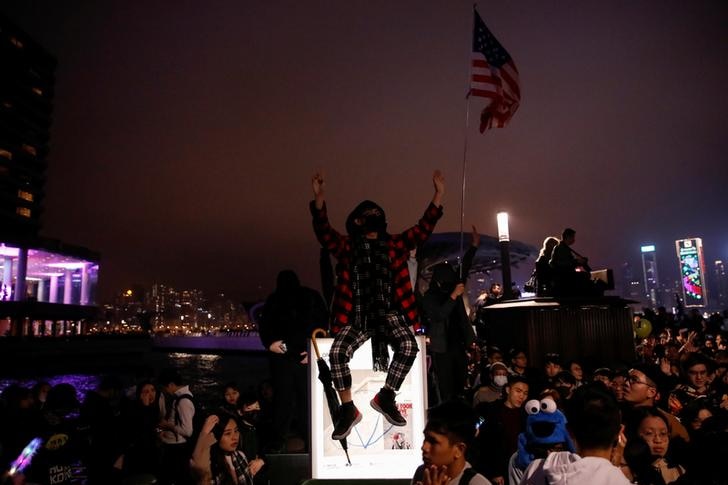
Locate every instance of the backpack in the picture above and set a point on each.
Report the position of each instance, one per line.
(468, 475)
(198, 419)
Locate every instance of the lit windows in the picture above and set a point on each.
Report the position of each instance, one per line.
(23, 211)
(22, 194)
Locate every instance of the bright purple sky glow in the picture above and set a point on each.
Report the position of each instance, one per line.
(184, 137)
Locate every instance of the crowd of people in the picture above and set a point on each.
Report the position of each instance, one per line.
(492, 418)
(671, 403)
(155, 431)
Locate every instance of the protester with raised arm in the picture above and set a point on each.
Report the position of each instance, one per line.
(373, 297)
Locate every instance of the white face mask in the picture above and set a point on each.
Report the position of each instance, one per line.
(500, 381)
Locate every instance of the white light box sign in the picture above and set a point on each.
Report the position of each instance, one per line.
(377, 448)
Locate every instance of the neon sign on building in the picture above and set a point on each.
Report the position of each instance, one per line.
(692, 271)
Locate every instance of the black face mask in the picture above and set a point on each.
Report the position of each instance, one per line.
(366, 217)
(374, 223)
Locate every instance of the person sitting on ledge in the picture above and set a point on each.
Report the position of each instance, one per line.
(374, 297)
(571, 274)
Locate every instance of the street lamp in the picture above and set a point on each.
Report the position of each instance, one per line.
(503, 240)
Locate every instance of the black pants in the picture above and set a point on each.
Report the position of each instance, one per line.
(451, 369)
(290, 398)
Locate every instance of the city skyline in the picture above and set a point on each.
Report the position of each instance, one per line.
(183, 139)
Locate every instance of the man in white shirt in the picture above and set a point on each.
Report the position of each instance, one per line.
(177, 411)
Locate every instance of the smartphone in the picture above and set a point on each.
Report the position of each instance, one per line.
(479, 422)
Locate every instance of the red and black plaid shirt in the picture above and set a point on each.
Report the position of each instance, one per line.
(399, 247)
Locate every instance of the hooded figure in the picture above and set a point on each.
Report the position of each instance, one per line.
(448, 325)
(444, 278)
(367, 217)
(374, 298)
(290, 314)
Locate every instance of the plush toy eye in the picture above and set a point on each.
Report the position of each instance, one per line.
(533, 406)
(548, 406)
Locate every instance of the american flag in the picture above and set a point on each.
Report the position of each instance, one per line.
(494, 77)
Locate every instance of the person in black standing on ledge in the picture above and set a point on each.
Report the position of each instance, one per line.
(448, 325)
(290, 314)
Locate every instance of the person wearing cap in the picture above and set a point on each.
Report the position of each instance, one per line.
(642, 389)
(494, 390)
(374, 298)
(448, 326)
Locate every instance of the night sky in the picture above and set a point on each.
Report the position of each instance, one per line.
(185, 133)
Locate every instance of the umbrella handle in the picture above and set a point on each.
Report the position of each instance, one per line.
(318, 331)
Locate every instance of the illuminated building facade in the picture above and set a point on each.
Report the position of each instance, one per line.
(47, 288)
(692, 271)
(651, 279)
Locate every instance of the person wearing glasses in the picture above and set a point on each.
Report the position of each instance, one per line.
(697, 375)
(641, 389)
(649, 455)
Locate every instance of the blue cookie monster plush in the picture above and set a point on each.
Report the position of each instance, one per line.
(545, 426)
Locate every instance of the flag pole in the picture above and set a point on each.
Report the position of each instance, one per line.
(465, 154)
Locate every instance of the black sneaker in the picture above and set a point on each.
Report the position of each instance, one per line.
(349, 417)
(384, 403)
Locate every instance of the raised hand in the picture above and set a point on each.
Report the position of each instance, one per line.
(438, 180)
(458, 291)
(317, 184)
(210, 423)
(475, 238)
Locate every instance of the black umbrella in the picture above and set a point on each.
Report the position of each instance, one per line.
(332, 397)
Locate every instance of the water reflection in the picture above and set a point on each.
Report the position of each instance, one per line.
(205, 373)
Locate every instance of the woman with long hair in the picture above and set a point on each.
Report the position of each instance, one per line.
(544, 273)
(217, 459)
(648, 451)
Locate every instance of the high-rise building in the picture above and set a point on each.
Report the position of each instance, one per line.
(631, 285)
(26, 101)
(721, 284)
(650, 277)
(47, 287)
